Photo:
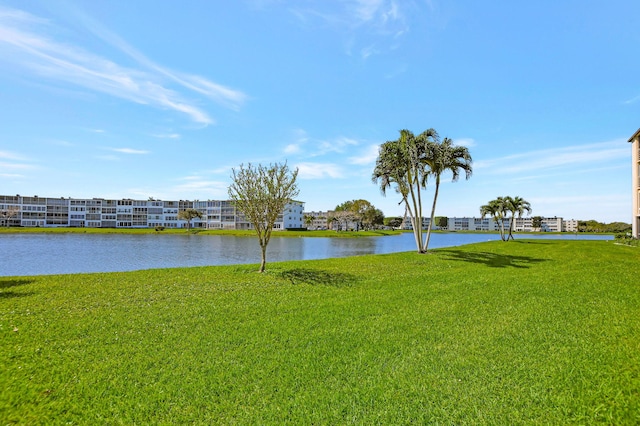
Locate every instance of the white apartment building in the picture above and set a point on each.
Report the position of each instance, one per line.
(127, 213)
(635, 184)
(319, 220)
(522, 224)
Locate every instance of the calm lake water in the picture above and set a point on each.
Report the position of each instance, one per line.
(43, 254)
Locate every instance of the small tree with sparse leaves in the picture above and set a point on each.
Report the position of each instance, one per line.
(189, 215)
(261, 194)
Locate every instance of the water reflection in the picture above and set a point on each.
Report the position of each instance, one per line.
(40, 254)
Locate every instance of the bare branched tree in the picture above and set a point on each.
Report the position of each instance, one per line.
(9, 213)
(261, 194)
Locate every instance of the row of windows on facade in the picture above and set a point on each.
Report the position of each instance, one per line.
(37, 211)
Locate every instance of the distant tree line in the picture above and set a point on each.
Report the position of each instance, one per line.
(595, 226)
(360, 214)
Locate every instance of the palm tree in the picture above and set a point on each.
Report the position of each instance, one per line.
(442, 157)
(495, 209)
(516, 205)
(308, 220)
(401, 164)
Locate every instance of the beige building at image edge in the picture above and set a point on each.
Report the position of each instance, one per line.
(635, 183)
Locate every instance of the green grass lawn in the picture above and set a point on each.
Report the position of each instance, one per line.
(525, 332)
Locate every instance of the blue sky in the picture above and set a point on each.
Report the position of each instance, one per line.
(132, 99)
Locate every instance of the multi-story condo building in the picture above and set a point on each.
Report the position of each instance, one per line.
(570, 225)
(318, 220)
(635, 184)
(522, 224)
(127, 213)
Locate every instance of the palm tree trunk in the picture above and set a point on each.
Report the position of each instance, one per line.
(501, 227)
(422, 248)
(433, 213)
(510, 236)
(414, 226)
(417, 222)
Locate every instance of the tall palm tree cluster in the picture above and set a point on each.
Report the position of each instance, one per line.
(500, 208)
(407, 164)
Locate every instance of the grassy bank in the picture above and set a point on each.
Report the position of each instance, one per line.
(229, 232)
(543, 332)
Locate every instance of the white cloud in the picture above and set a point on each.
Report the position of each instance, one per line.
(15, 166)
(195, 186)
(603, 207)
(319, 171)
(292, 148)
(368, 51)
(368, 156)
(468, 142)
(108, 157)
(25, 41)
(14, 163)
(129, 151)
(315, 147)
(564, 157)
(339, 145)
(167, 136)
(11, 156)
(363, 21)
(632, 100)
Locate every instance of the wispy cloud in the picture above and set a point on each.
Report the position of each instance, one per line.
(195, 185)
(7, 155)
(555, 158)
(108, 157)
(130, 151)
(319, 171)
(366, 23)
(632, 100)
(12, 163)
(338, 145)
(366, 157)
(12, 175)
(292, 148)
(27, 41)
(15, 166)
(590, 206)
(167, 136)
(468, 142)
(303, 144)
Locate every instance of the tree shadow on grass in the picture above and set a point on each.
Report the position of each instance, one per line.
(492, 260)
(13, 283)
(14, 294)
(318, 277)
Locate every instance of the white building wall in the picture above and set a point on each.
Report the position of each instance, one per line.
(127, 213)
(293, 215)
(320, 220)
(635, 184)
(570, 225)
(523, 224)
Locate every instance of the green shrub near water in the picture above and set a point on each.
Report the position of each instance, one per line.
(529, 332)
